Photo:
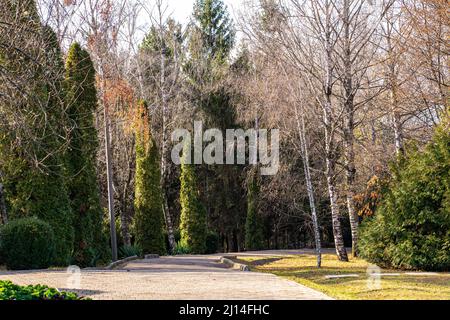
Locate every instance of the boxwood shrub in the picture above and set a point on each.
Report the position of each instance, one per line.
(27, 243)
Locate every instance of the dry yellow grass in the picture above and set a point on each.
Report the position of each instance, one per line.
(302, 269)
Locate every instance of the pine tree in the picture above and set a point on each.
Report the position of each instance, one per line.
(253, 224)
(148, 223)
(193, 226)
(81, 96)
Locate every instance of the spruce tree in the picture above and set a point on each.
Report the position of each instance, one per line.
(211, 39)
(193, 226)
(148, 223)
(32, 148)
(253, 223)
(81, 96)
(214, 28)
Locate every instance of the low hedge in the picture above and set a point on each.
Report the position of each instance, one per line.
(10, 291)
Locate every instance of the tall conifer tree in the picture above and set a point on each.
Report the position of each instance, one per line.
(193, 226)
(81, 96)
(32, 149)
(148, 223)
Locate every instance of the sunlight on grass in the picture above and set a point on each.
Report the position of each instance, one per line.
(302, 269)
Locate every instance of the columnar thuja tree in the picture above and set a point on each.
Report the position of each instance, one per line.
(193, 224)
(159, 60)
(253, 224)
(81, 97)
(148, 224)
(33, 126)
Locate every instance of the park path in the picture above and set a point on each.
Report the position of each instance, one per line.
(171, 278)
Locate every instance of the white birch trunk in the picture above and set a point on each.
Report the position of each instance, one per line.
(349, 127)
(165, 142)
(309, 186)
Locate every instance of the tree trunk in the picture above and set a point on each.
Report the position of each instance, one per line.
(337, 228)
(396, 117)
(393, 91)
(125, 214)
(309, 186)
(165, 149)
(349, 127)
(109, 177)
(350, 169)
(398, 133)
(125, 224)
(329, 143)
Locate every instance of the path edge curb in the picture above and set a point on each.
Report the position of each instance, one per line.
(234, 265)
(118, 263)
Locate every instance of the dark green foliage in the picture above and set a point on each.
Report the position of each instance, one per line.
(181, 249)
(10, 291)
(130, 251)
(81, 97)
(253, 224)
(27, 243)
(193, 226)
(33, 194)
(148, 223)
(411, 228)
(211, 39)
(212, 242)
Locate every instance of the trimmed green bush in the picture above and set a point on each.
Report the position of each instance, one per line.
(10, 291)
(27, 243)
(411, 228)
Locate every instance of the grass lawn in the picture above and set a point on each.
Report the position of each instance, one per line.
(301, 268)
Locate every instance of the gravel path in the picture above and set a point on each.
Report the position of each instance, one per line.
(170, 278)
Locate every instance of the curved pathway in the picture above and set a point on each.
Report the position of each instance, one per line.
(170, 278)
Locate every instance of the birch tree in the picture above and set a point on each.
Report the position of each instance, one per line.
(309, 38)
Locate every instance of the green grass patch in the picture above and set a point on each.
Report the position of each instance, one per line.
(302, 269)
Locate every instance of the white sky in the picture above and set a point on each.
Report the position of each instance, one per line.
(182, 9)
